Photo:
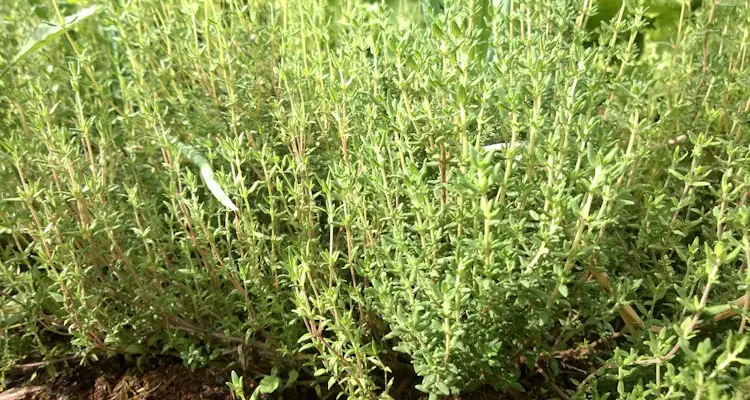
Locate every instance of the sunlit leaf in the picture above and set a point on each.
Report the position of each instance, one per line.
(47, 31)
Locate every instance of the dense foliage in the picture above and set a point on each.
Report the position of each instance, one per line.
(481, 190)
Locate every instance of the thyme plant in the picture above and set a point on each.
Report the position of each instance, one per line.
(345, 191)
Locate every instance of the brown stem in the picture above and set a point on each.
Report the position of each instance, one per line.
(29, 366)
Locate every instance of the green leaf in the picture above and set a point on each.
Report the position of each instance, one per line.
(436, 30)
(455, 29)
(591, 154)
(506, 7)
(207, 173)
(443, 388)
(563, 290)
(462, 94)
(293, 376)
(134, 349)
(676, 174)
(237, 386)
(717, 309)
(47, 31)
(267, 385)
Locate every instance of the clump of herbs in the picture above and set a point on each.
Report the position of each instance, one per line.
(321, 189)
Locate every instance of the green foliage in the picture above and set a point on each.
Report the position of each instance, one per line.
(480, 190)
(237, 386)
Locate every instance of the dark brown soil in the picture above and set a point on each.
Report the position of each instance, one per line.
(116, 379)
(167, 378)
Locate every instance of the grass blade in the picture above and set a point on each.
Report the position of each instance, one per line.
(207, 173)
